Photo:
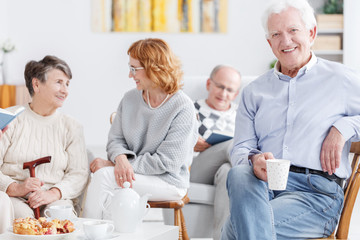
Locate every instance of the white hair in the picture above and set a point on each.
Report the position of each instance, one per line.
(218, 67)
(277, 6)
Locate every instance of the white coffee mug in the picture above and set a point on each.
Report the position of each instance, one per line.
(97, 229)
(61, 212)
(277, 173)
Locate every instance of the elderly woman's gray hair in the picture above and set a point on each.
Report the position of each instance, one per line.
(277, 6)
(39, 70)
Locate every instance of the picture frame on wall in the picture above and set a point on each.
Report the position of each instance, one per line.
(176, 16)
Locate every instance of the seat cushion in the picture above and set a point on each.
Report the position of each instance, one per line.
(201, 193)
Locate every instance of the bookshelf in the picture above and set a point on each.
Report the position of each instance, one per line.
(329, 42)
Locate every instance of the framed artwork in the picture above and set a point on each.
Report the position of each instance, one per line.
(192, 16)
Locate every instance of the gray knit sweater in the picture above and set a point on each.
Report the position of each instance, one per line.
(157, 141)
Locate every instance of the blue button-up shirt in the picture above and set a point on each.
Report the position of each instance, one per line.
(291, 117)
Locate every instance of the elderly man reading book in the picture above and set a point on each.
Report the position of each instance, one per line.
(216, 114)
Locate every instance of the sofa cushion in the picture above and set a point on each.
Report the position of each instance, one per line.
(201, 193)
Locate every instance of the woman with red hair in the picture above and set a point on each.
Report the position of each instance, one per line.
(152, 137)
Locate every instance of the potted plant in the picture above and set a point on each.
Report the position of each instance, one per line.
(333, 15)
(334, 7)
(6, 47)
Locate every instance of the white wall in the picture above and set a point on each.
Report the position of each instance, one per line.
(99, 60)
(352, 34)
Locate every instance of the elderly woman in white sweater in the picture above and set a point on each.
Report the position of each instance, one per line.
(152, 137)
(42, 131)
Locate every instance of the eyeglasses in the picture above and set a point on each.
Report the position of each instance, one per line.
(134, 69)
(222, 87)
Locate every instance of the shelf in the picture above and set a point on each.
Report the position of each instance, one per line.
(328, 52)
(334, 55)
(331, 31)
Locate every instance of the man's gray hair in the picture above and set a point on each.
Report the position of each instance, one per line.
(218, 67)
(277, 6)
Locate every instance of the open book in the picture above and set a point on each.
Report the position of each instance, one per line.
(9, 114)
(218, 137)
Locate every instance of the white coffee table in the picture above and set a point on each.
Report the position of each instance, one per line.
(146, 231)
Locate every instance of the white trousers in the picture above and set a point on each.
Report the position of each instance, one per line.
(7, 212)
(104, 180)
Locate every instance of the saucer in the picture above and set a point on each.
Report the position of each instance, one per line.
(45, 237)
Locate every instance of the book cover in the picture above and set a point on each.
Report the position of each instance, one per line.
(194, 16)
(159, 18)
(132, 16)
(208, 16)
(223, 16)
(172, 16)
(119, 15)
(101, 15)
(9, 114)
(144, 16)
(218, 137)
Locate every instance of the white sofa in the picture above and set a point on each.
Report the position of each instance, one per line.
(199, 212)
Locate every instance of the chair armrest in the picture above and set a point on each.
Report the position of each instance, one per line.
(177, 204)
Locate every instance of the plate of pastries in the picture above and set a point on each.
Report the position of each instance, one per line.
(31, 228)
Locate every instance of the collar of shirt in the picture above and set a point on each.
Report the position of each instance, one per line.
(303, 70)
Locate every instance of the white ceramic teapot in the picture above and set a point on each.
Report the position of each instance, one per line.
(126, 208)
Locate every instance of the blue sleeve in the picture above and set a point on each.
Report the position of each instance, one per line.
(245, 139)
(349, 125)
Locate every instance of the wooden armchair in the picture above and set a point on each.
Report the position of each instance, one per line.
(179, 219)
(351, 193)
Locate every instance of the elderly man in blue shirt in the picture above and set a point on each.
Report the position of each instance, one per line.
(306, 110)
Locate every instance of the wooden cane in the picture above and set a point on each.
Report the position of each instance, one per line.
(31, 166)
